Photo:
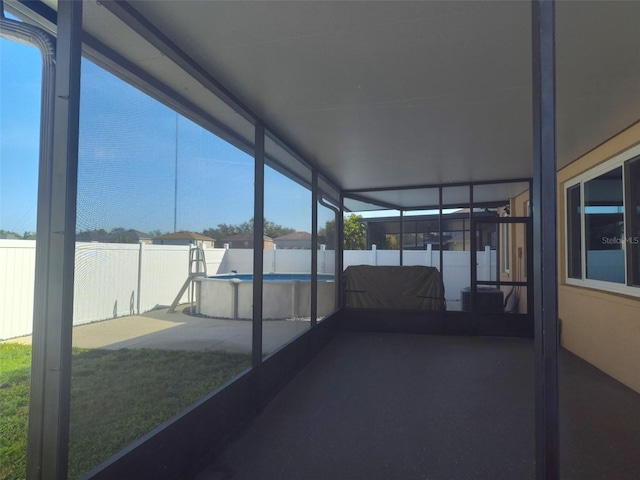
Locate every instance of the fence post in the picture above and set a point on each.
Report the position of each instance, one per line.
(273, 259)
(139, 276)
(323, 259)
(374, 254)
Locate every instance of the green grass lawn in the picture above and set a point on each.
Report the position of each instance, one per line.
(116, 397)
(15, 365)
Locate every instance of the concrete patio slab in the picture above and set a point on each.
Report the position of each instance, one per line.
(180, 331)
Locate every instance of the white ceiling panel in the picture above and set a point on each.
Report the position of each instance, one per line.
(380, 94)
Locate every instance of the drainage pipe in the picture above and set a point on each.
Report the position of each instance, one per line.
(34, 36)
(30, 35)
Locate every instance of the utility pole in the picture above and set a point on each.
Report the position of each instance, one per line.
(175, 183)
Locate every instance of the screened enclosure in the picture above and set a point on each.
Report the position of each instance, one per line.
(209, 174)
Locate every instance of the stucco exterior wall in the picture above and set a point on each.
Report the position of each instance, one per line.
(601, 327)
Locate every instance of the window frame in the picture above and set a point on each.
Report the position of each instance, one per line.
(569, 236)
(618, 160)
(633, 237)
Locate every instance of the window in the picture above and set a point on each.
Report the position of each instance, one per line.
(603, 225)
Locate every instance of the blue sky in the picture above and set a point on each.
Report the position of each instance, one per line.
(127, 159)
(20, 70)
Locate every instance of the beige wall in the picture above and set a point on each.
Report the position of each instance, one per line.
(601, 327)
(604, 329)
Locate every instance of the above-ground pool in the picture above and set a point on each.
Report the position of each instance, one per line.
(285, 295)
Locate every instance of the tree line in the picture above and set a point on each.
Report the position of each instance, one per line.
(224, 230)
(17, 236)
(355, 232)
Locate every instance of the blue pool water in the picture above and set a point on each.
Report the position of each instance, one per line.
(275, 277)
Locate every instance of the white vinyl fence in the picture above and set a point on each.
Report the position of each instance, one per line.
(281, 261)
(17, 273)
(113, 280)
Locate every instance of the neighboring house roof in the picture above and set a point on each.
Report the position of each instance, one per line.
(183, 235)
(294, 236)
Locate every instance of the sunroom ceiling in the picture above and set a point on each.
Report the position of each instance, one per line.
(396, 93)
(376, 94)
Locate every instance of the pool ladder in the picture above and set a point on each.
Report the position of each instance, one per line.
(197, 268)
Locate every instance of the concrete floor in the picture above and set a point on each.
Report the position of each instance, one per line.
(396, 406)
(179, 331)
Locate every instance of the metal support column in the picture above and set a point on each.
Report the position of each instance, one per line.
(498, 253)
(314, 247)
(544, 203)
(473, 245)
(440, 250)
(48, 444)
(401, 237)
(258, 244)
(529, 253)
(340, 253)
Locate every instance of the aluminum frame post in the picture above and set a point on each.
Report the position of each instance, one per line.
(314, 248)
(473, 245)
(440, 249)
(544, 204)
(258, 244)
(339, 279)
(401, 237)
(48, 443)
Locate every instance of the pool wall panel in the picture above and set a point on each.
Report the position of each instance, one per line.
(281, 299)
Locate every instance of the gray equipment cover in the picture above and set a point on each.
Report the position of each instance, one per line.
(394, 288)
